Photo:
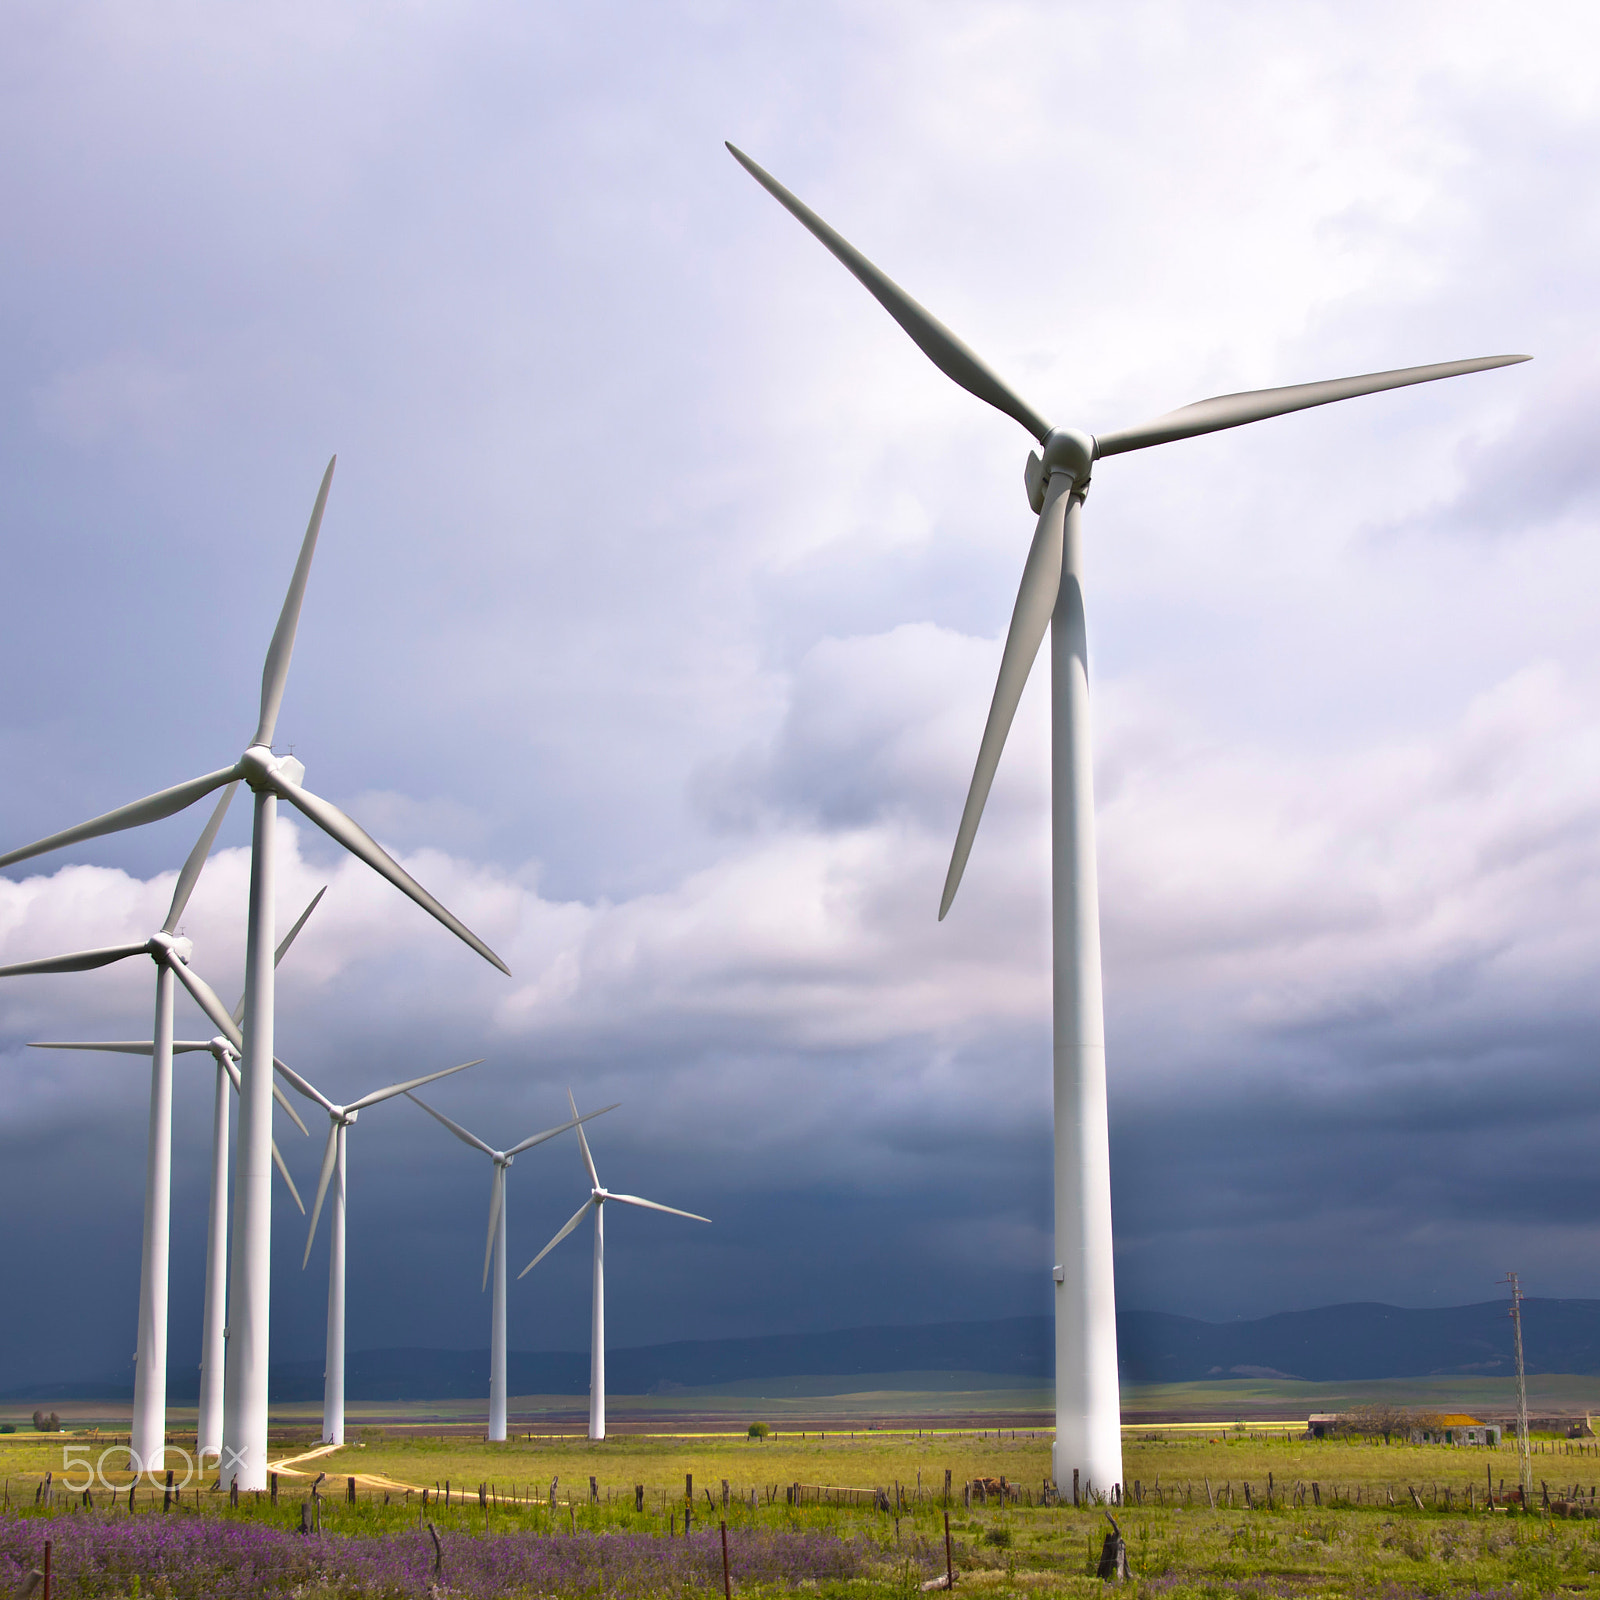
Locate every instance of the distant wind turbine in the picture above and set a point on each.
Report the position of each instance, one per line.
(213, 1341)
(1088, 1417)
(495, 1250)
(271, 777)
(597, 1332)
(340, 1120)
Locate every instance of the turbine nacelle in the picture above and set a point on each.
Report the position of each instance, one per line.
(170, 945)
(261, 769)
(1065, 450)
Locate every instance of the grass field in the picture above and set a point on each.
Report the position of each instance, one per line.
(928, 1399)
(1191, 1524)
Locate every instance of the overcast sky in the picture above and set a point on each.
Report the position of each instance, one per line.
(657, 610)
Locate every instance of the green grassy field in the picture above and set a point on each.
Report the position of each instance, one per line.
(1394, 1520)
(931, 1399)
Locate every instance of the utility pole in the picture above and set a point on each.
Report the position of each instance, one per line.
(1522, 1392)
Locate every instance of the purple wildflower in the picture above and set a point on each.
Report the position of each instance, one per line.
(211, 1558)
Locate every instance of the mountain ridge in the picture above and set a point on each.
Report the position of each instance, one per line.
(1352, 1341)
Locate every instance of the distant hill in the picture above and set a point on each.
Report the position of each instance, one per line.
(1334, 1344)
(1329, 1344)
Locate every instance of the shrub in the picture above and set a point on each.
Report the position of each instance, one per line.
(46, 1424)
(758, 1430)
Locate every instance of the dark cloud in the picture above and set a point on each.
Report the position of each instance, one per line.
(656, 613)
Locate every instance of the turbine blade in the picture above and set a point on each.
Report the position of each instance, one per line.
(80, 961)
(497, 1198)
(275, 674)
(190, 875)
(651, 1205)
(283, 1172)
(935, 341)
(121, 1047)
(1232, 410)
(206, 998)
(455, 1127)
(300, 922)
(583, 1143)
(288, 1106)
(299, 1084)
(329, 1153)
(550, 1133)
(1030, 618)
(358, 842)
(138, 812)
(283, 946)
(577, 1217)
(410, 1083)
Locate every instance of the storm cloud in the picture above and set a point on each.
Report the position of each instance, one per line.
(657, 610)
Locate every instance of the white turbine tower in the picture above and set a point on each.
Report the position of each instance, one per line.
(495, 1250)
(1088, 1432)
(271, 778)
(340, 1120)
(213, 1341)
(170, 953)
(597, 1331)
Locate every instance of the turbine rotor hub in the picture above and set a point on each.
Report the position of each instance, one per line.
(258, 766)
(1066, 450)
(171, 944)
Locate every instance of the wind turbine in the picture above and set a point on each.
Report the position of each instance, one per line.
(271, 778)
(1088, 1418)
(495, 1249)
(597, 1332)
(170, 953)
(214, 1322)
(340, 1120)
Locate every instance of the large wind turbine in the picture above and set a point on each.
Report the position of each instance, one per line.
(597, 1332)
(1088, 1433)
(495, 1250)
(170, 953)
(214, 1322)
(340, 1120)
(271, 778)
